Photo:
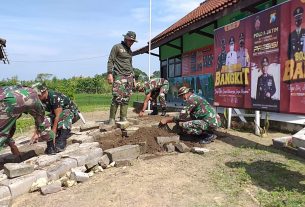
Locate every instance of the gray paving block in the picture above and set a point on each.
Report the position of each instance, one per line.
(22, 185)
(81, 159)
(281, 142)
(123, 124)
(104, 161)
(90, 145)
(126, 152)
(163, 140)
(60, 169)
(13, 170)
(46, 160)
(122, 163)
(169, 147)
(51, 188)
(181, 147)
(89, 126)
(298, 141)
(81, 138)
(92, 163)
(79, 176)
(37, 148)
(5, 192)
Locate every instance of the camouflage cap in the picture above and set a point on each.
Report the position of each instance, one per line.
(140, 86)
(183, 90)
(39, 87)
(130, 35)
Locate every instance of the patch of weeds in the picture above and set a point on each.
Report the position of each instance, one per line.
(281, 198)
(236, 152)
(231, 181)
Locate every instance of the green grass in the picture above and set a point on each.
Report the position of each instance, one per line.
(280, 182)
(97, 102)
(24, 123)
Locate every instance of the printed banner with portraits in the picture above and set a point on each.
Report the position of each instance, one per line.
(259, 61)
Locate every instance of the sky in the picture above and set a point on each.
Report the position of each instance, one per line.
(69, 38)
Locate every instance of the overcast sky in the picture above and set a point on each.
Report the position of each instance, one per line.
(69, 38)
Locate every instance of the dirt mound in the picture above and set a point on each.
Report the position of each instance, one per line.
(148, 135)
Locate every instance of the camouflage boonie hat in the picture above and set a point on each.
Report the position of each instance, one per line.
(140, 86)
(183, 90)
(39, 87)
(130, 35)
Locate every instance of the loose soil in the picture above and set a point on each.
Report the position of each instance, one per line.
(231, 174)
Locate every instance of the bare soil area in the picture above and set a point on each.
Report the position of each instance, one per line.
(238, 170)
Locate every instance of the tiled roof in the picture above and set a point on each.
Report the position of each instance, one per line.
(205, 9)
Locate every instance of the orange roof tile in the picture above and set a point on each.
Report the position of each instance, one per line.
(205, 9)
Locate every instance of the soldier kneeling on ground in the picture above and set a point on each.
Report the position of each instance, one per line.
(154, 88)
(14, 101)
(63, 113)
(197, 117)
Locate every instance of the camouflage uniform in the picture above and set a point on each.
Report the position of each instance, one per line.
(197, 116)
(15, 100)
(122, 89)
(120, 66)
(157, 87)
(69, 114)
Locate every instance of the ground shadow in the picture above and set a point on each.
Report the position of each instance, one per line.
(272, 175)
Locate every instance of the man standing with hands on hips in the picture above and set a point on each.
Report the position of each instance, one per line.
(121, 76)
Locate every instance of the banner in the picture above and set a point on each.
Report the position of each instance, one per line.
(198, 62)
(259, 61)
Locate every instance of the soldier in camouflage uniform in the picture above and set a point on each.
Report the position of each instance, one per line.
(15, 100)
(152, 89)
(121, 76)
(63, 113)
(197, 117)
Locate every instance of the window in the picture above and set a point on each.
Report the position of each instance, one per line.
(174, 67)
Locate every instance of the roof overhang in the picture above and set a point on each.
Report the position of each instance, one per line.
(196, 20)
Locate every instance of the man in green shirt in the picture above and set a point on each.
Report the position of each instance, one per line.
(197, 117)
(121, 76)
(63, 113)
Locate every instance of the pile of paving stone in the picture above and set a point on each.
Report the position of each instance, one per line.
(82, 158)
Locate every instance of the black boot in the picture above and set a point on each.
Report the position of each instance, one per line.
(207, 138)
(61, 140)
(163, 111)
(51, 149)
(154, 110)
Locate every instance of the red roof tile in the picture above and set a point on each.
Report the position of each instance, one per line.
(205, 9)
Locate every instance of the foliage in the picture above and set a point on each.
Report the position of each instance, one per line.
(156, 74)
(140, 75)
(94, 102)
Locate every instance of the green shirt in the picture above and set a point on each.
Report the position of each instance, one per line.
(120, 60)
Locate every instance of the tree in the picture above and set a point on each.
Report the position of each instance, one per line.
(156, 74)
(140, 75)
(42, 77)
